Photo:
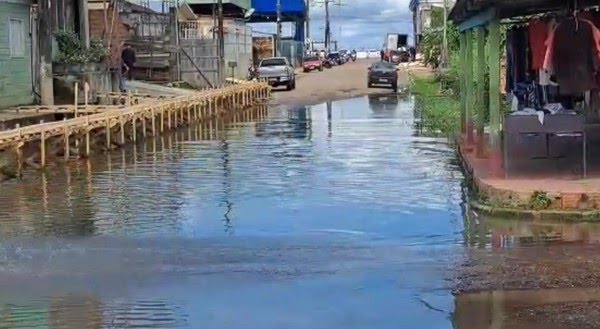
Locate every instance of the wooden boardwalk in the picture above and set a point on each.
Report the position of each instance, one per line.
(108, 127)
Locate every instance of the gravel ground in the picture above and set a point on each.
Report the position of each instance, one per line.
(339, 82)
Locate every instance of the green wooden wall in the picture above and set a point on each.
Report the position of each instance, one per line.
(15, 73)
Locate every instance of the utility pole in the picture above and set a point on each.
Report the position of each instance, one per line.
(307, 19)
(221, 40)
(278, 38)
(327, 31)
(445, 39)
(45, 42)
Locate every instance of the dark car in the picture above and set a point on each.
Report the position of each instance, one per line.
(383, 73)
(335, 58)
(399, 56)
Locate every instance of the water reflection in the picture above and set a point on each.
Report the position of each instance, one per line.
(89, 311)
(287, 217)
(501, 233)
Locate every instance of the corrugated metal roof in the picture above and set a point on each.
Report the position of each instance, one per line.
(464, 9)
(288, 7)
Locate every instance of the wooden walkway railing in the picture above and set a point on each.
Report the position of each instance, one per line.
(117, 125)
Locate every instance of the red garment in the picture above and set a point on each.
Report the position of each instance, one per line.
(538, 33)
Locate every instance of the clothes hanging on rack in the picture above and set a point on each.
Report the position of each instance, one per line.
(537, 32)
(574, 56)
(517, 57)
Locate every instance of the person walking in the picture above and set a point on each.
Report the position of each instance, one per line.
(128, 60)
(382, 53)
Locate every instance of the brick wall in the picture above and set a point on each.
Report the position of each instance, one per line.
(121, 32)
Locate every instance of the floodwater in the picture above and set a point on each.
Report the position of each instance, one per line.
(339, 215)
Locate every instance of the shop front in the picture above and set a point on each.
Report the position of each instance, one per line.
(545, 121)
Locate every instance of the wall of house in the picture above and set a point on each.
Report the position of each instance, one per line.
(15, 70)
(121, 32)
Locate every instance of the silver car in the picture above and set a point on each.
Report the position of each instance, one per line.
(278, 71)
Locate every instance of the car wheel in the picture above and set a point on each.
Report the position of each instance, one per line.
(395, 87)
(306, 70)
(369, 84)
(289, 86)
(320, 68)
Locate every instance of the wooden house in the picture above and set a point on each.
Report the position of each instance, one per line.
(16, 79)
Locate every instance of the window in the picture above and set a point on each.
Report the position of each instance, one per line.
(16, 37)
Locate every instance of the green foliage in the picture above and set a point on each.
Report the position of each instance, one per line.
(98, 51)
(72, 51)
(439, 110)
(539, 200)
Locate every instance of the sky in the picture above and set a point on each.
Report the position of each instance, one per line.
(355, 24)
(362, 23)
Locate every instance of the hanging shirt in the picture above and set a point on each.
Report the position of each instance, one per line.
(575, 56)
(538, 33)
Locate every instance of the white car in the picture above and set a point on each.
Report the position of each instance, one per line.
(373, 53)
(362, 54)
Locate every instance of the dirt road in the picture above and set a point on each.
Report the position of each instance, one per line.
(339, 82)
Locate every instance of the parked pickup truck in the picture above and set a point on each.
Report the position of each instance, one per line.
(278, 71)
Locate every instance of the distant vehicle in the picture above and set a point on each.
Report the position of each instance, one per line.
(362, 54)
(278, 71)
(346, 55)
(395, 42)
(312, 63)
(335, 57)
(383, 73)
(398, 56)
(373, 53)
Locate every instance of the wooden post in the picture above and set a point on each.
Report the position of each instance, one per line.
(463, 87)
(107, 131)
(169, 116)
(153, 121)
(480, 101)
(42, 144)
(469, 84)
(76, 88)
(162, 119)
(67, 142)
(87, 135)
(494, 92)
(144, 126)
(122, 128)
(19, 151)
(134, 128)
(86, 96)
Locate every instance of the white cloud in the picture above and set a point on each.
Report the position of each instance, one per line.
(362, 23)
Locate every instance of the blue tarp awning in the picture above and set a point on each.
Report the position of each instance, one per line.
(289, 8)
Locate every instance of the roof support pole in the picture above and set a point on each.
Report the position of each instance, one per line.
(470, 100)
(480, 95)
(463, 88)
(494, 94)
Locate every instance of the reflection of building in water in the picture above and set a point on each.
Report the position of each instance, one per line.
(59, 203)
(75, 311)
(297, 125)
(501, 233)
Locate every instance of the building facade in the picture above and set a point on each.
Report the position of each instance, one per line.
(421, 12)
(16, 81)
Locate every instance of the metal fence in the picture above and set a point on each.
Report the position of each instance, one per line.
(293, 50)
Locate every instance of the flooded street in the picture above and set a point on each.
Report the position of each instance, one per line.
(338, 215)
(326, 216)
